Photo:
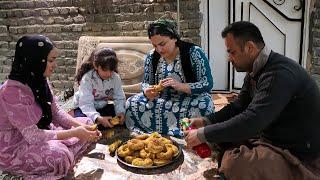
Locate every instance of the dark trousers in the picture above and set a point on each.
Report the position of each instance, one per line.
(108, 110)
(257, 159)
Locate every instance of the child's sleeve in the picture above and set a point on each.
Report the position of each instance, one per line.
(86, 98)
(119, 97)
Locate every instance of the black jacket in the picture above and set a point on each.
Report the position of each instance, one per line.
(280, 104)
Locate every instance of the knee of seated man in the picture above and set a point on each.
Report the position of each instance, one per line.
(260, 157)
(236, 159)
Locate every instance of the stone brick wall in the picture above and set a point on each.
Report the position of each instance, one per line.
(315, 42)
(64, 21)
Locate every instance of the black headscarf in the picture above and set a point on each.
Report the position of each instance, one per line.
(30, 62)
(164, 27)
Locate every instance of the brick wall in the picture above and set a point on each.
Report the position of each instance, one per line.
(64, 21)
(315, 42)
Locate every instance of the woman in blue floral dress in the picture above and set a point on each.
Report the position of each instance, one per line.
(186, 77)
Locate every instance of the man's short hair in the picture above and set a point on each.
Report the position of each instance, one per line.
(244, 31)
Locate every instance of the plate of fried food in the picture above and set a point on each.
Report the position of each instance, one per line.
(147, 151)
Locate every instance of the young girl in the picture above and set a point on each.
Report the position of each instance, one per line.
(99, 85)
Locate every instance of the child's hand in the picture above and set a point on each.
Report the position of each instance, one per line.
(121, 117)
(105, 121)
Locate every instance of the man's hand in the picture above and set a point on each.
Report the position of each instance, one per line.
(197, 122)
(192, 138)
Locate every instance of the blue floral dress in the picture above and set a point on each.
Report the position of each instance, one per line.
(163, 114)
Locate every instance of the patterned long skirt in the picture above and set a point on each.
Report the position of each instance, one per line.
(164, 115)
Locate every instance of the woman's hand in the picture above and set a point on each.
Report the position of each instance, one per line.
(105, 121)
(150, 93)
(178, 86)
(121, 117)
(75, 123)
(87, 127)
(86, 135)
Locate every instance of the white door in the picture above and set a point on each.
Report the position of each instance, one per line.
(280, 22)
(215, 18)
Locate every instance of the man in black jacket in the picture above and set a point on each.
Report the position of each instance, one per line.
(272, 130)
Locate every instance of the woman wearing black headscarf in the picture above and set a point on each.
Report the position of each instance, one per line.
(183, 70)
(37, 138)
